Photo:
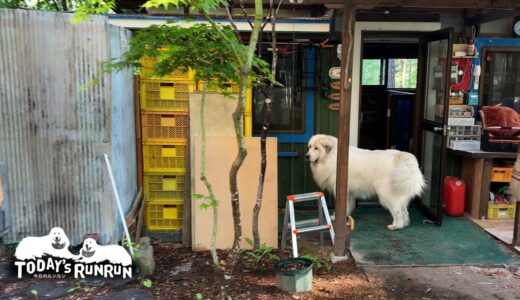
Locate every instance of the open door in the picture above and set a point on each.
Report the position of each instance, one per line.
(437, 47)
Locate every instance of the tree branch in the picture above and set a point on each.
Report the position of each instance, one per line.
(224, 36)
(233, 25)
(245, 13)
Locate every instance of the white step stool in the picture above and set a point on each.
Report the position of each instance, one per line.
(305, 225)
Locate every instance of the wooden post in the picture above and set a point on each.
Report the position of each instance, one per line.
(342, 238)
(516, 231)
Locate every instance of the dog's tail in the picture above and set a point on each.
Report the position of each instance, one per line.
(406, 175)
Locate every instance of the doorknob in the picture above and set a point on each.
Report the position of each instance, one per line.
(437, 129)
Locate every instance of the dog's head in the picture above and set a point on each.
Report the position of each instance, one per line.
(59, 239)
(89, 247)
(319, 147)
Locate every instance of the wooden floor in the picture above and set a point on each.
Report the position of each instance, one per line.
(502, 229)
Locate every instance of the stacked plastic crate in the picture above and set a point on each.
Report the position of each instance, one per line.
(165, 131)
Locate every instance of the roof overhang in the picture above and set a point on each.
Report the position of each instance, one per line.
(288, 25)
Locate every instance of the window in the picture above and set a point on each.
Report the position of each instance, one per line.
(288, 105)
(402, 73)
(373, 72)
(501, 83)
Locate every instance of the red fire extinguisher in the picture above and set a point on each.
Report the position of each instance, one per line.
(454, 196)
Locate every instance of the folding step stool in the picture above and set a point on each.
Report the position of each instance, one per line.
(306, 225)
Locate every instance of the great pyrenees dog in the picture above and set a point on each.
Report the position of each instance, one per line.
(394, 176)
(56, 244)
(91, 252)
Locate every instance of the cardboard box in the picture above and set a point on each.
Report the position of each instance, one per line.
(456, 100)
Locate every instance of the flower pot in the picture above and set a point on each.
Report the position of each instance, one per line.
(294, 274)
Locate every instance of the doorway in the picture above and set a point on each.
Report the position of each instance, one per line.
(388, 86)
(403, 84)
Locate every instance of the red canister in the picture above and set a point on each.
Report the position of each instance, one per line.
(454, 196)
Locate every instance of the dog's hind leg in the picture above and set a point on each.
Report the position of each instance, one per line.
(351, 205)
(397, 215)
(406, 216)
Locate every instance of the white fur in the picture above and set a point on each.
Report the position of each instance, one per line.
(394, 176)
(113, 253)
(33, 247)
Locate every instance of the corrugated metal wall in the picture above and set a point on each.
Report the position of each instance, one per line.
(53, 133)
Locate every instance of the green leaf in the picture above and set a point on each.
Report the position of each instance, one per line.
(198, 296)
(147, 283)
(204, 206)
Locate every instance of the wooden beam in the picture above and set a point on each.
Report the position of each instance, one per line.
(516, 230)
(492, 16)
(342, 237)
(490, 4)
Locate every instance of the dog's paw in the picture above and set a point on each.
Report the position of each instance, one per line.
(391, 227)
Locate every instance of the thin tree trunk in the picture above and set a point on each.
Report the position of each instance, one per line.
(239, 132)
(266, 114)
(219, 275)
(205, 180)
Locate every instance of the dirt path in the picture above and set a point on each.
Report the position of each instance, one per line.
(182, 274)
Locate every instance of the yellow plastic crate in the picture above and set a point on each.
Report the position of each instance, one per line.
(164, 127)
(501, 211)
(164, 157)
(502, 174)
(164, 187)
(162, 95)
(164, 215)
(148, 64)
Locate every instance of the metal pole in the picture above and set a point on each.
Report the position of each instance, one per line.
(121, 214)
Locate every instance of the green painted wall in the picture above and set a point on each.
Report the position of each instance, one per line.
(294, 174)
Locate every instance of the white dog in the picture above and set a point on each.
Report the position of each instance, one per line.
(394, 176)
(92, 252)
(56, 244)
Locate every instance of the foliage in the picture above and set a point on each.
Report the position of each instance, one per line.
(263, 250)
(147, 283)
(198, 47)
(318, 261)
(134, 246)
(208, 201)
(92, 7)
(402, 72)
(49, 5)
(198, 296)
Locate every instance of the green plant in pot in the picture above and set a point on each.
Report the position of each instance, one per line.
(294, 274)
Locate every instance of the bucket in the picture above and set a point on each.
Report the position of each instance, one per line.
(298, 280)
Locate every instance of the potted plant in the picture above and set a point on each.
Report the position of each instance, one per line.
(294, 274)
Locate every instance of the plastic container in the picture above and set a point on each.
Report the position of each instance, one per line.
(501, 211)
(148, 64)
(164, 157)
(294, 280)
(501, 174)
(164, 127)
(163, 95)
(165, 187)
(164, 215)
(454, 196)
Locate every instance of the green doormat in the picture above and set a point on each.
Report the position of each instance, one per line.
(457, 241)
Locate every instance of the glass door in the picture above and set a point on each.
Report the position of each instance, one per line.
(437, 51)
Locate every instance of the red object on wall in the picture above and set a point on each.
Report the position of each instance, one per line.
(464, 65)
(454, 196)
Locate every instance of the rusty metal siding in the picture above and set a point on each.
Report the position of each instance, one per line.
(53, 133)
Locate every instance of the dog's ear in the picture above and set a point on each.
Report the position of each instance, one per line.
(327, 145)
